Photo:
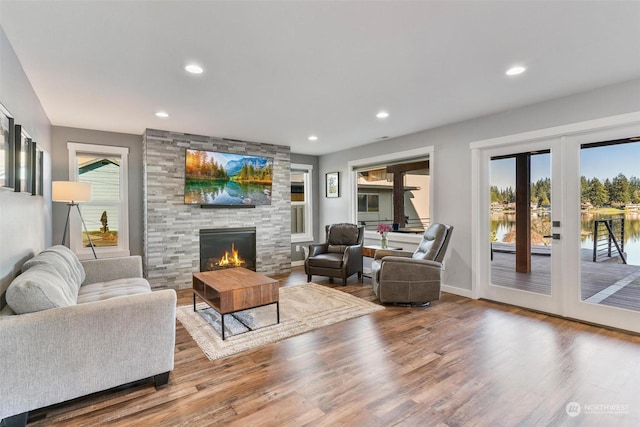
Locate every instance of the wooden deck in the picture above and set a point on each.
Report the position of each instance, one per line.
(607, 283)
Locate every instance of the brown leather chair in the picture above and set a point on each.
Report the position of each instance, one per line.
(340, 255)
(412, 277)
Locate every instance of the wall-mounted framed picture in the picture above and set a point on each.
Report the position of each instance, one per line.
(17, 161)
(332, 184)
(34, 168)
(22, 161)
(29, 148)
(6, 148)
(39, 182)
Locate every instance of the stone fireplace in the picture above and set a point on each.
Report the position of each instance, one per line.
(222, 248)
(172, 228)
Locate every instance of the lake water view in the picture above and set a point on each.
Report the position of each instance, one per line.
(502, 223)
(226, 193)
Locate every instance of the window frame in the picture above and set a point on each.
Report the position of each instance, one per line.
(352, 183)
(307, 170)
(75, 224)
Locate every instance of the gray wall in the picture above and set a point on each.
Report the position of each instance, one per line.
(60, 172)
(452, 177)
(25, 220)
(298, 255)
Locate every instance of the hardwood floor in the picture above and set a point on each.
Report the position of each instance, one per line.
(459, 362)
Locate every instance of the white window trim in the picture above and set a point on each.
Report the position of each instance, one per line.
(307, 236)
(75, 239)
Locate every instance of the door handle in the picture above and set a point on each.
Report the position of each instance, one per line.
(554, 236)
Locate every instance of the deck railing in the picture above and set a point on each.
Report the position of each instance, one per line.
(607, 234)
(412, 224)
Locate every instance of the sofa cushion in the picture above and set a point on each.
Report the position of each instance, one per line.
(41, 287)
(64, 261)
(114, 288)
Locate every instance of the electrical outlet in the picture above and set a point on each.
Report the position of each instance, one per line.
(443, 266)
(297, 248)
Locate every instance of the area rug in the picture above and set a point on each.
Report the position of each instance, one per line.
(302, 309)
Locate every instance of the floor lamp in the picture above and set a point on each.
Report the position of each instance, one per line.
(72, 192)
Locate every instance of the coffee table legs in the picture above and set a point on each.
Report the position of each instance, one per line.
(222, 323)
(222, 315)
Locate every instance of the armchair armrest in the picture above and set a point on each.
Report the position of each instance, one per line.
(409, 269)
(102, 270)
(380, 253)
(352, 252)
(318, 248)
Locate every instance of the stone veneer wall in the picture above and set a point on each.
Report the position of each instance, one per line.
(171, 228)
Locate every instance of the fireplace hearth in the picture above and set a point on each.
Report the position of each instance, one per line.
(222, 248)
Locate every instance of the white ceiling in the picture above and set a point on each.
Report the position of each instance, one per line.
(279, 71)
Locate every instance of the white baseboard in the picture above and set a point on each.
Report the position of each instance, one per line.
(297, 263)
(457, 291)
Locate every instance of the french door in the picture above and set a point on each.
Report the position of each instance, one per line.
(530, 184)
(521, 195)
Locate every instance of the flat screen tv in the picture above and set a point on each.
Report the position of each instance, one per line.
(215, 178)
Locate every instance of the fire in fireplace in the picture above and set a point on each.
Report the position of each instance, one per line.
(227, 248)
(231, 261)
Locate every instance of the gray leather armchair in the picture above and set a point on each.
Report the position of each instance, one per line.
(340, 255)
(412, 277)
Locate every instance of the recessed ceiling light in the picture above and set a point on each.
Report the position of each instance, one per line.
(194, 69)
(162, 114)
(514, 71)
(313, 138)
(382, 115)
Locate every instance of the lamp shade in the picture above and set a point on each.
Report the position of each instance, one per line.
(70, 191)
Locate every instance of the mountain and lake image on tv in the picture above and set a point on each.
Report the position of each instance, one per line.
(225, 179)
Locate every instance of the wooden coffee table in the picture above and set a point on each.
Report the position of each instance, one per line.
(235, 289)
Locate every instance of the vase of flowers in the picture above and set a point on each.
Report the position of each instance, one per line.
(383, 229)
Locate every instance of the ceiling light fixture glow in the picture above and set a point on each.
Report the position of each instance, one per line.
(382, 115)
(162, 114)
(194, 69)
(514, 71)
(313, 138)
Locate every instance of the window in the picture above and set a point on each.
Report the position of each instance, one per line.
(107, 214)
(368, 202)
(378, 199)
(301, 211)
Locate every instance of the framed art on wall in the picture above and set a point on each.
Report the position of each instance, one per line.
(333, 184)
(6, 148)
(17, 154)
(22, 160)
(39, 173)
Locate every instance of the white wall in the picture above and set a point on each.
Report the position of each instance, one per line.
(451, 167)
(25, 220)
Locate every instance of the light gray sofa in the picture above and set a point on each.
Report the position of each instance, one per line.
(82, 327)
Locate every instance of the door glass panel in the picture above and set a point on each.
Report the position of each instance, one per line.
(610, 223)
(522, 263)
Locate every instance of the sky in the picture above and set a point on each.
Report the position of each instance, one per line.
(600, 162)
